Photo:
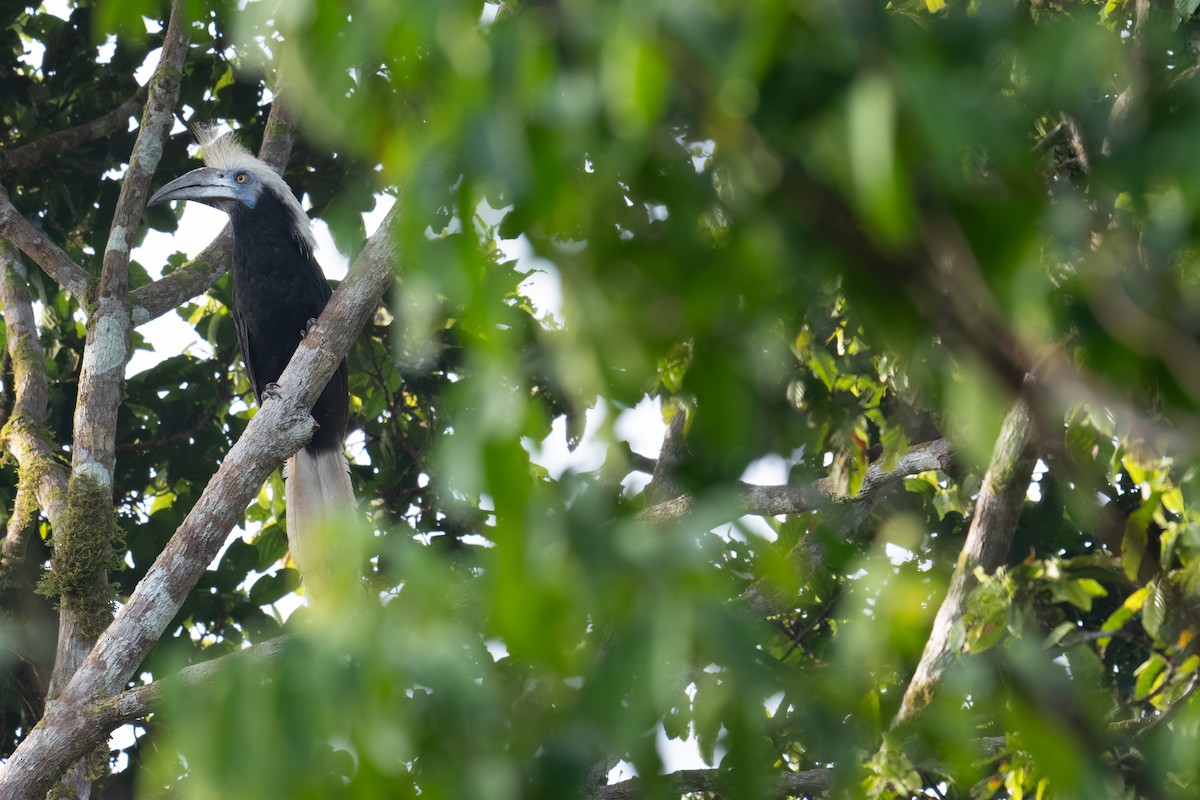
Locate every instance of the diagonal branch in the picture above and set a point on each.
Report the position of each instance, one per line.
(196, 276)
(73, 278)
(281, 426)
(136, 703)
(35, 154)
(997, 510)
(13, 226)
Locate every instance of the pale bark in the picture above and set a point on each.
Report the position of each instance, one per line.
(72, 278)
(989, 538)
(775, 500)
(43, 483)
(102, 376)
(280, 427)
(136, 703)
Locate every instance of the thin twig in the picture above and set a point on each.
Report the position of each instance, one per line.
(224, 394)
(35, 154)
(777, 500)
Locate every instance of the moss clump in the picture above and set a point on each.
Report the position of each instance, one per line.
(61, 791)
(93, 766)
(87, 542)
(32, 469)
(278, 128)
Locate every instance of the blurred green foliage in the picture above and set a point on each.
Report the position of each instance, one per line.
(824, 231)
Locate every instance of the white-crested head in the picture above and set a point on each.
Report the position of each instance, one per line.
(223, 152)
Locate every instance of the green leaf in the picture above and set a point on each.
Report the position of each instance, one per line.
(1150, 676)
(1137, 471)
(226, 79)
(895, 444)
(1172, 500)
(240, 557)
(675, 724)
(272, 545)
(1133, 546)
(1060, 632)
(880, 188)
(1086, 666)
(823, 366)
(986, 617)
(1080, 592)
(1117, 620)
(707, 717)
(270, 588)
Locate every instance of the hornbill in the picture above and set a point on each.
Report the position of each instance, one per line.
(278, 290)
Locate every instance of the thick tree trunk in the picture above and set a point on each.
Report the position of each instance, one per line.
(89, 524)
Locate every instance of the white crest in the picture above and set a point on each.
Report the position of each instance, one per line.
(223, 151)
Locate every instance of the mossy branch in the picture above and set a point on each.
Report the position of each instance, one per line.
(87, 543)
(42, 476)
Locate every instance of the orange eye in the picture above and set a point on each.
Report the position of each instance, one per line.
(241, 177)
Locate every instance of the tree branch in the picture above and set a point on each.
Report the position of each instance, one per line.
(35, 154)
(997, 510)
(157, 121)
(13, 226)
(89, 524)
(281, 426)
(773, 500)
(73, 278)
(136, 703)
(1067, 131)
(662, 484)
(196, 276)
(809, 783)
(43, 477)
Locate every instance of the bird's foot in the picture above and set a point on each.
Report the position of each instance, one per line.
(271, 391)
(309, 327)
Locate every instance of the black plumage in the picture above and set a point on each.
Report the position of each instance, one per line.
(277, 288)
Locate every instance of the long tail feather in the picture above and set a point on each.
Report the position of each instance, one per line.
(318, 492)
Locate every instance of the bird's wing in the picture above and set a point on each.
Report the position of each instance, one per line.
(243, 337)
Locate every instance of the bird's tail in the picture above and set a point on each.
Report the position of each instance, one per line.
(318, 495)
